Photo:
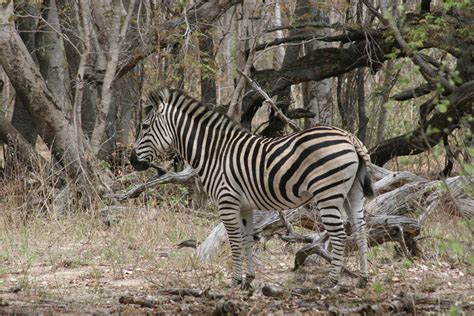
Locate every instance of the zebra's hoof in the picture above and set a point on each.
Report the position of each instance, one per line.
(237, 282)
(362, 282)
(246, 283)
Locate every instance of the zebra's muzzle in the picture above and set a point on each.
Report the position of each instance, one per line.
(137, 164)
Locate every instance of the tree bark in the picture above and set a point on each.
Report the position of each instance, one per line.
(21, 119)
(22, 150)
(363, 119)
(51, 56)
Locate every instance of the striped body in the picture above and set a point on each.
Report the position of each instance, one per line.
(242, 172)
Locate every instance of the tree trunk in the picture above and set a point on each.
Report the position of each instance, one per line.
(117, 36)
(318, 96)
(208, 81)
(55, 129)
(363, 119)
(52, 58)
(387, 86)
(21, 119)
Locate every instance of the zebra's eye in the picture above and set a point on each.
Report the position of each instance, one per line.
(145, 126)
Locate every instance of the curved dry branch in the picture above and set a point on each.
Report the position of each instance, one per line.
(159, 178)
(272, 104)
(419, 91)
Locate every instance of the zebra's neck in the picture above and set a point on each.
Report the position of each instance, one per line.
(201, 135)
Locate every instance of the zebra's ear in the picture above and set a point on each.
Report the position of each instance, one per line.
(155, 97)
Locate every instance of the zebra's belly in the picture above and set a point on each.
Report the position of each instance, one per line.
(267, 203)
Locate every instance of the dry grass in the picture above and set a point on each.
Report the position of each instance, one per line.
(56, 260)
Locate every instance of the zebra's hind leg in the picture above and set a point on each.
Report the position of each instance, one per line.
(248, 241)
(229, 213)
(332, 220)
(355, 209)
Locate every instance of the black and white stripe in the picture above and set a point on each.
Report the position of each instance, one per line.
(244, 172)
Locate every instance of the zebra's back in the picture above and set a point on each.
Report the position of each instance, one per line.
(286, 172)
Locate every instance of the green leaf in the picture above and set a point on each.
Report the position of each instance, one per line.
(454, 311)
(442, 106)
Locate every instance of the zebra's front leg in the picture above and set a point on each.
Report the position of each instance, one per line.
(332, 220)
(229, 213)
(248, 242)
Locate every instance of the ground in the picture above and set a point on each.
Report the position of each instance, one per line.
(69, 264)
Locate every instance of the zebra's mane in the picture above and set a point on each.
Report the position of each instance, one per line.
(158, 95)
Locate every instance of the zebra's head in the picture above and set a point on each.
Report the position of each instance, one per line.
(155, 137)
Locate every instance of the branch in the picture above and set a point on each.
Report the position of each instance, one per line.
(159, 178)
(272, 104)
(289, 39)
(425, 69)
(349, 36)
(375, 11)
(431, 132)
(204, 13)
(318, 25)
(300, 113)
(419, 91)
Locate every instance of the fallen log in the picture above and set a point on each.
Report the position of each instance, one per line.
(426, 197)
(381, 229)
(387, 180)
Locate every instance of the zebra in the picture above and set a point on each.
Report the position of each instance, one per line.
(243, 172)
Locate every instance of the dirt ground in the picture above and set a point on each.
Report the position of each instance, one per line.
(77, 265)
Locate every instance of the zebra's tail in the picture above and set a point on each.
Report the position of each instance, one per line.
(363, 173)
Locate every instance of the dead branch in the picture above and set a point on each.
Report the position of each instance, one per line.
(388, 180)
(424, 195)
(419, 91)
(192, 292)
(300, 113)
(317, 249)
(130, 300)
(159, 178)
(380, 229)
(272, 104)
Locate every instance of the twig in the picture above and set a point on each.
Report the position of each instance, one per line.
(159, 178)
(137, 301)
(272, 104)
(323, 253)
(192, 292)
